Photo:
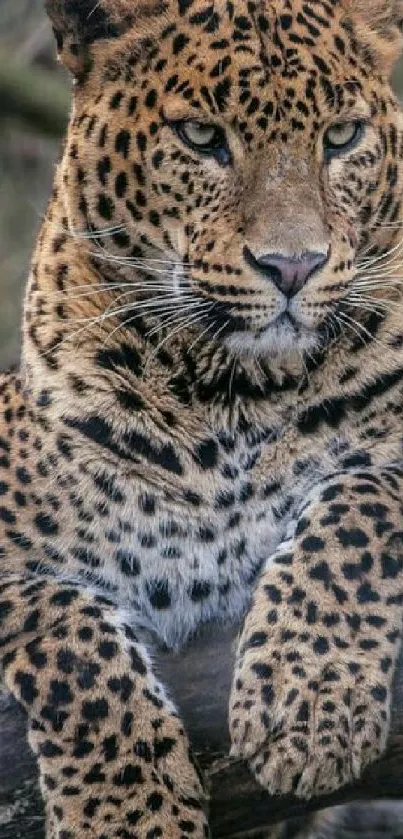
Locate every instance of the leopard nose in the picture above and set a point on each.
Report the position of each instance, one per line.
(288, 273)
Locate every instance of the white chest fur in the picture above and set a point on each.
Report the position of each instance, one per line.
(183, 566)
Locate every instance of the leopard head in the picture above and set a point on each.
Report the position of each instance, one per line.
(241, 162)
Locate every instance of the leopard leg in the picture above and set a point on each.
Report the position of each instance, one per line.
(113, 756)
(310, 703)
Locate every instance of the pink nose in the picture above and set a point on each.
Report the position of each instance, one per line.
(290, 273)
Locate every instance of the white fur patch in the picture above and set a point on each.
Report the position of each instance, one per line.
(276, 339)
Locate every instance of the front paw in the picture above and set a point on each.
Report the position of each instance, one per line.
(307, 721)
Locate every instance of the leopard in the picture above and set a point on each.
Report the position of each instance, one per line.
(206, 423)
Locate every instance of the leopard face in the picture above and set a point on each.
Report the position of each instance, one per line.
(241, 157)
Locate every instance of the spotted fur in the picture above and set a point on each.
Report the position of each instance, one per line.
(207, 420)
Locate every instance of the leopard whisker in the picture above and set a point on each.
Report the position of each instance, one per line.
(304, 365)
(94, 235)
(342, 325)
(99, 320)
(185, 324)
(219, 330)
(165, 295)
(357, 294)
(153, 285)
(373, 304)
(72, 233)
(370, 261)
(197, 303)
(146, 260)
(131, 262)
(364, 306)
(231, 379)
(256, 361)
(390, 225)
(335, 331)
(358, 327)
(377, 283)
(202, 334)
(153, 304)
(373, 254)
(381, 271)
(172, 313)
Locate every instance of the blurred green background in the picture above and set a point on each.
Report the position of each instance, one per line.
(34, 96)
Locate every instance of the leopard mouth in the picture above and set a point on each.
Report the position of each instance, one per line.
(283, 334)
(222, 316)
(288, 321)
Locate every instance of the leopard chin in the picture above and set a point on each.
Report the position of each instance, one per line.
(282, 337)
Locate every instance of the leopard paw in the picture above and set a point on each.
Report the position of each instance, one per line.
(305, 728)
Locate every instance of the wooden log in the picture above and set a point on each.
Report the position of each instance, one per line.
(198, 679)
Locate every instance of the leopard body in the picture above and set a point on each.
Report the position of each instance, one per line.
(187, 440)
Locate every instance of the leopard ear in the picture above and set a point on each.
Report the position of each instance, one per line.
(77, 24)
(382, 21)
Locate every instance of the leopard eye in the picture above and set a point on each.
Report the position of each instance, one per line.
(342, 136)
(205, 138)
(200, 135)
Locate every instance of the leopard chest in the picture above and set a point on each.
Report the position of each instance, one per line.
(179, 565)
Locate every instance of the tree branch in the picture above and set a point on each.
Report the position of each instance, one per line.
(198, 679)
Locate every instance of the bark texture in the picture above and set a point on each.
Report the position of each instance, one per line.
(198, 679)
